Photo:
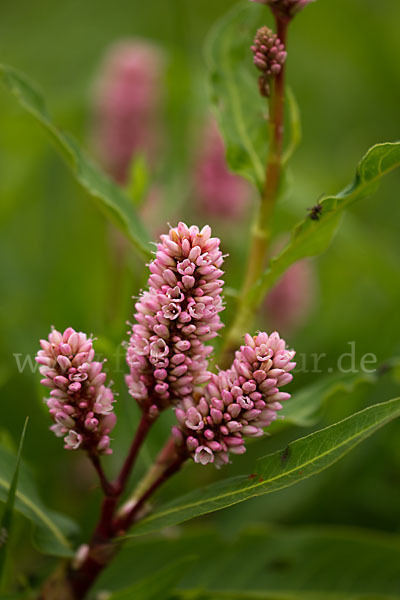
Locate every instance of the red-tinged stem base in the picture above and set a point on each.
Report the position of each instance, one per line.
(103, 550)
(73, 582)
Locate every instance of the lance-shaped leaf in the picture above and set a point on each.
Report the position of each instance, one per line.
(301, 459)
(241, 111)
(51, 529)
(312, 236)
(239, 107)
(6, 521)
(107, 194)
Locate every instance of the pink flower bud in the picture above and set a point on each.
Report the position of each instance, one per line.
(269, 56)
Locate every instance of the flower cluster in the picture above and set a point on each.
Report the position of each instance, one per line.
(237, 403)
(220, 192)
(285, 8)
(167, 354)
(80, 405)
(269, 56)
(127, 105)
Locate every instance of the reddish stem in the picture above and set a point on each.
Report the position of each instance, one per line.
(122, 524)
(261, 233)
(107, 487)
(276, 125)
(104, 528)
(103, 547)
(141, 433)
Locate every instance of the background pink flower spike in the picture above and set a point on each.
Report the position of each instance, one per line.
(291, 301)
(219, 192)
(127, 105)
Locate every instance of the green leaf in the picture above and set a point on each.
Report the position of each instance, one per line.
(240, 109)
(108, 195)
(156, 586)
(6, 522)
(51, 529)
(312, 237)
(295, 126)
(139, 180)
(301, 459)
(302, 563)
(200, 595)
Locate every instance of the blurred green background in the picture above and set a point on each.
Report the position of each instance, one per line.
(56, 266)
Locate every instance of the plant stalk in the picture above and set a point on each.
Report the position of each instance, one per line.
(141, 433)
(105, 544)
(106, 486)
(102, 547)
(166, 457)
(261, 231)
(123, 523)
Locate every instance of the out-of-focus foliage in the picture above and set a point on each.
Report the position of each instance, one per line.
(107, 193)
(58, 266)
(8, 511)
(162, 582)
(240, 109)
(52, 528)
(293, 563)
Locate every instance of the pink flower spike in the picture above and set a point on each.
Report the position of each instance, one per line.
(127, 106)
(79, 404)
(167, 353)
(238, 402)
(218, 192)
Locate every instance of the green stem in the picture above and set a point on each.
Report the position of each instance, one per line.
(261, 232)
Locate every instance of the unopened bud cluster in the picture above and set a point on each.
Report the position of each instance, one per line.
(80, 405)
(237, 403)
(269, 56)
